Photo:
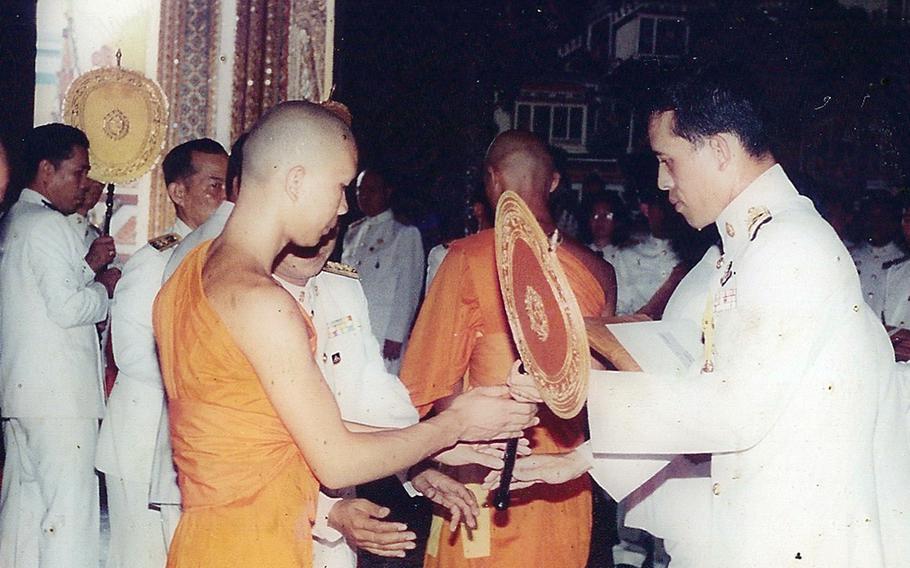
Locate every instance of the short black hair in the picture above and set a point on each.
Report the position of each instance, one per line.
(53, 142)
(178, 164)
(709, 99)
(234, 176)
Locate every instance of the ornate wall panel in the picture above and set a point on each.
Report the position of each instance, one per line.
(307, 56)
(187, 68)
(261, 60)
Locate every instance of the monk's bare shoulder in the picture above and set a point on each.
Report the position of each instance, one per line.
(242, 294)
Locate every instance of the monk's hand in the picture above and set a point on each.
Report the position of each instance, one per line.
(522, 386)
(552, 469)
(454, 496)
(488, 455)
(391, 350)
(484, 414)
(359, 521)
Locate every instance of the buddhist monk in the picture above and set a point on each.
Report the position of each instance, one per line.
(462, 339)
(254, 427)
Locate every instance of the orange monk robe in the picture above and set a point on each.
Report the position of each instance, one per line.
(462, 330)
(248, 495)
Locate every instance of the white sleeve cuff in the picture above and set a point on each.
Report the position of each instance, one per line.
(321, 529)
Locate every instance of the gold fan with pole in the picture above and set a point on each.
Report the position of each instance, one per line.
(546, 322)
(124, 115)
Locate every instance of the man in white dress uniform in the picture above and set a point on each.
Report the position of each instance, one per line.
(794, 398)
(880, 217)
(50, 377)
(389, 258)
(194, 173)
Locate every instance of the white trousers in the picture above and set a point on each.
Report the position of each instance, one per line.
(140, 536)
(49, 509)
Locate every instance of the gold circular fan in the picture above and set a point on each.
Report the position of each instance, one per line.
(124, 115)
(544, 316)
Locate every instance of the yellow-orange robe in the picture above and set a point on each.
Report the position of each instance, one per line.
(462, 330)
(248, 495)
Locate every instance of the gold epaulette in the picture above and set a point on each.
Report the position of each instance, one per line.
(340, 269)
(165, 242)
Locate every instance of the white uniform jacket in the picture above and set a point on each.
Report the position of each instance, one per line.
(390, 260)
(434, 260)
(871, 263)
(641, 270)
(83, 228)
(896, 289)
(49, 304)
(349, 357)
(800, 412)
(204, 232)
(126, 444)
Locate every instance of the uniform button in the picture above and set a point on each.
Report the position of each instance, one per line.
(716, 488)
(325, 357)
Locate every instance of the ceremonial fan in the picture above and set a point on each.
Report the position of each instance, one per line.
(124, 115)
(544, 316)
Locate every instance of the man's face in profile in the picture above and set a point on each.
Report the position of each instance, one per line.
(686, 171)
(66, 186)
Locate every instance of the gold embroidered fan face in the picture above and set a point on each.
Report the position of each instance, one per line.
(544, 316)
(124, 115)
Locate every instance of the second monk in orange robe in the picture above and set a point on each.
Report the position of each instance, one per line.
(462, 340)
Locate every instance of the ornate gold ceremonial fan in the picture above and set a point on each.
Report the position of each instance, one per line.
(544, 316)
(546, 321)
(124, 115)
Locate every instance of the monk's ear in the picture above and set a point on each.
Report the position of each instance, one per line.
(294, 183)
(554, 183)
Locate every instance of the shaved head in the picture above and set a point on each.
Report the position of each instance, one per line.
(519, 161)
(298, 160)
(290, 134)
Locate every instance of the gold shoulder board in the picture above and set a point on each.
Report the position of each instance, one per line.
(333, 267)
(165, 242)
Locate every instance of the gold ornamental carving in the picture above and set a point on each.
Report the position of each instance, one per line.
(546, 322)
(124, 115)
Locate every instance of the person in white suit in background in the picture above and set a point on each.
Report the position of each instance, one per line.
(794, 398)
(50, 377)
(389, 258)
(194, 174)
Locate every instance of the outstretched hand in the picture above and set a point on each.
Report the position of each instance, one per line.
(359, 521)
(489, 413)
(453, 495)
(552, 469)
(488, 455)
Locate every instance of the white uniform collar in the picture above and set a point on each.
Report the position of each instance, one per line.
(381, 218)
(181, 228)
(32, 196)
(739, 223)
(225, 208)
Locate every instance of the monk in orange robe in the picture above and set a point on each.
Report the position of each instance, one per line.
(253, 424)
(462, 339)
